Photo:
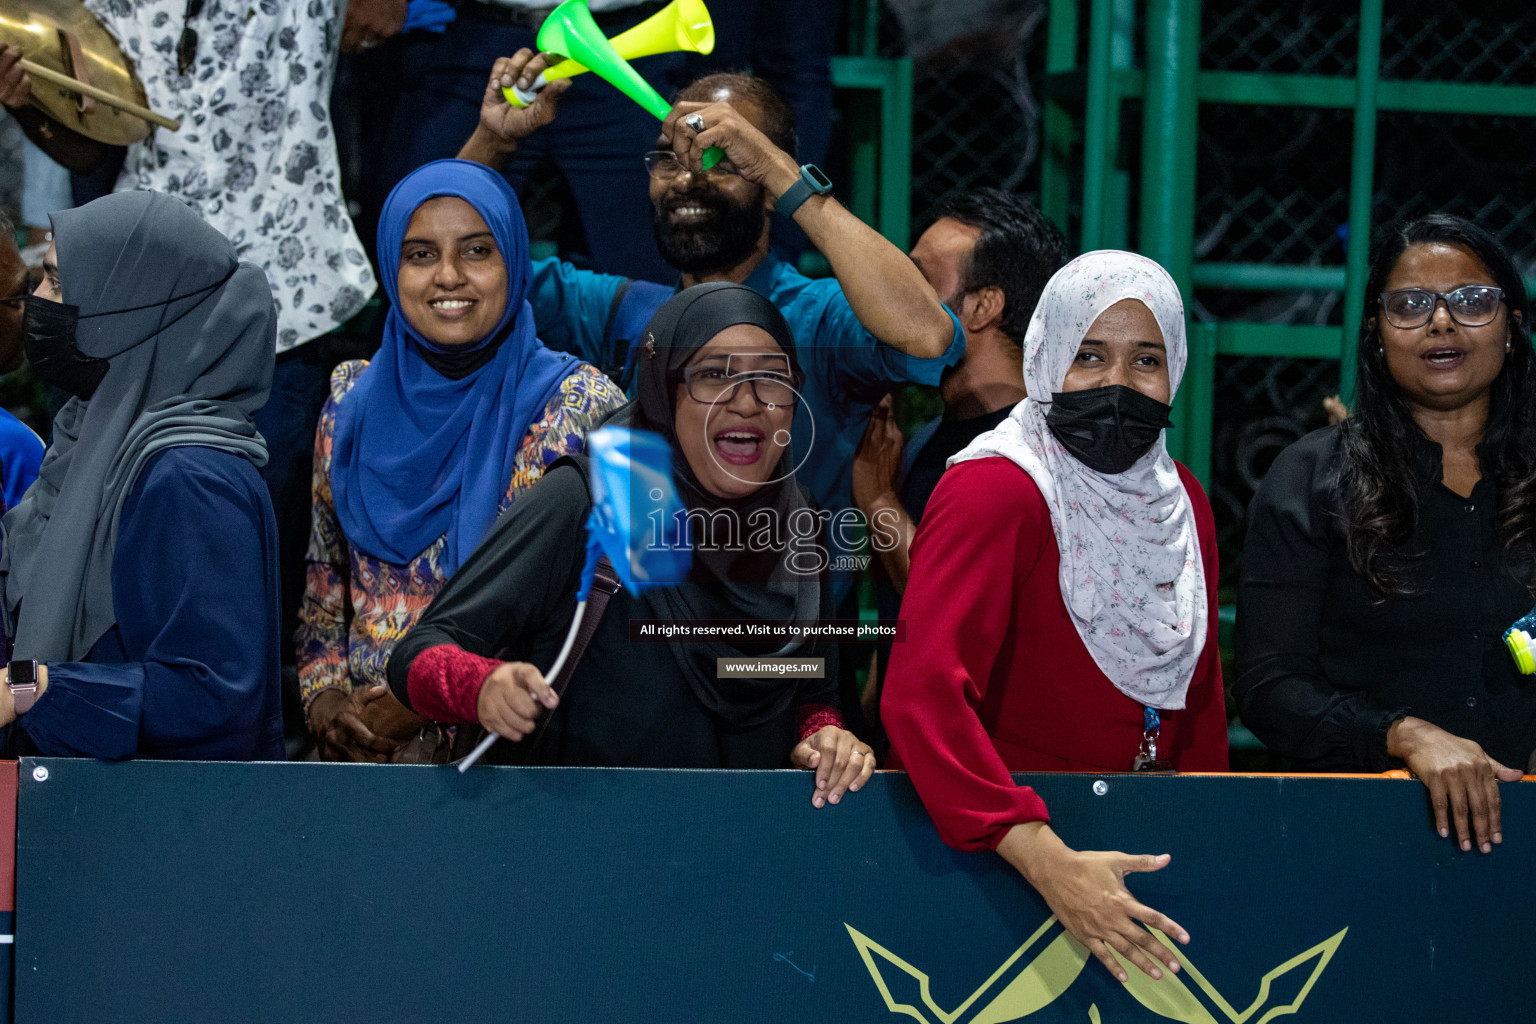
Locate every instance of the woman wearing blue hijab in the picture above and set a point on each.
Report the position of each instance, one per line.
(419, 451)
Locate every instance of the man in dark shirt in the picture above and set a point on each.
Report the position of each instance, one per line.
(989, 254)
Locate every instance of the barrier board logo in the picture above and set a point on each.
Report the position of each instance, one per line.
(1021, 987)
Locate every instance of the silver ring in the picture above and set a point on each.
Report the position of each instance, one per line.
(695, 122)
(857, 753)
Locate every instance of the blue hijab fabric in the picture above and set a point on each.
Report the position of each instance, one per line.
(417, 456)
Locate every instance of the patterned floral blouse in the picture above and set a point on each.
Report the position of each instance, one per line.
(256, 155)
(356, 607)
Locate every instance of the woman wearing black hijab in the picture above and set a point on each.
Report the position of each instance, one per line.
(140, 571)
(717, 379)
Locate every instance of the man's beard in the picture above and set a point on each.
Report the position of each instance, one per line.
(725, 238)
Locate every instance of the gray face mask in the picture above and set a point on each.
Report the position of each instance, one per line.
(1107, 429)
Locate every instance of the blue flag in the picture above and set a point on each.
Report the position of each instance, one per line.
(637, 517)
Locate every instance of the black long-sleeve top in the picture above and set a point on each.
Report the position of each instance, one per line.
(627, 704)
(1324, 666)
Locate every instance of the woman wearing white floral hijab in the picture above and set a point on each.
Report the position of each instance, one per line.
(1061, 611)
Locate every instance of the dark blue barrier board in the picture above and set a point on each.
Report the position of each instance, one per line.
(200, 893)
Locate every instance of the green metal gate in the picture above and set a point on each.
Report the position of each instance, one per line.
(1090, 80)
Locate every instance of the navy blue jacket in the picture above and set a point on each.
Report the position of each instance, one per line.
(191, 668)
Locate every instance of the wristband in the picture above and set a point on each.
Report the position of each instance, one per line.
(812, 182)
(22, 679)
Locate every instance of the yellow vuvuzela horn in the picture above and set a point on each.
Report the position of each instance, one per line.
(681, 25)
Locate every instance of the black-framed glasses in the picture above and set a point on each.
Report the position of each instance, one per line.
(715, 384)
(1474, 305)
(664, 165)
(186, 46)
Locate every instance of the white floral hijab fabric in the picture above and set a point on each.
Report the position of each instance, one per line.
(1131, 572)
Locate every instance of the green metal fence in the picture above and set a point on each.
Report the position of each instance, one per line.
(1321, 59)
(1242, 143)
(875, 95)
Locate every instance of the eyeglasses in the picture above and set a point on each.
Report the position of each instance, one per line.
(1471, 306)
(664, 165)
(713, 384)
(186, 47)
(15, 301)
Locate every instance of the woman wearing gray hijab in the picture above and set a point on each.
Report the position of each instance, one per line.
(140, 571)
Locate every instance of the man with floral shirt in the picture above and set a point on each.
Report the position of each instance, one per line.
(255, 156)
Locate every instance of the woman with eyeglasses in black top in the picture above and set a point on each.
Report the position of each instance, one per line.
(1386, 555)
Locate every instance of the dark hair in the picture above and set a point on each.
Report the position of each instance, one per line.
(778, 119)
(1379, 484)
(1018, 250)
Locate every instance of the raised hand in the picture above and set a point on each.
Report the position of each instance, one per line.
(15, 84)
(510, 124)
(878, 458)
(749, 151)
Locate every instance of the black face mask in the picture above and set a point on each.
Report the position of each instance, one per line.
(48, 331)
(1107, 429)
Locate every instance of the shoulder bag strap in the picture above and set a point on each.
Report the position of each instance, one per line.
(605, 583)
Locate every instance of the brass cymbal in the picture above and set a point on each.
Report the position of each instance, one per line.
(58, 35)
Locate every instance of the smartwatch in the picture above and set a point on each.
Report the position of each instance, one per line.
(23, 684)
(812, 182)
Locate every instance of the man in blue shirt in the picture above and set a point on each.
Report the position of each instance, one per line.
(877, 325)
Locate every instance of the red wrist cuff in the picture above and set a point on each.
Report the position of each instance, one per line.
(812, 718)
(444, 683)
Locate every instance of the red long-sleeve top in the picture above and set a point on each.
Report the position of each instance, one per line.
(993, 677)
